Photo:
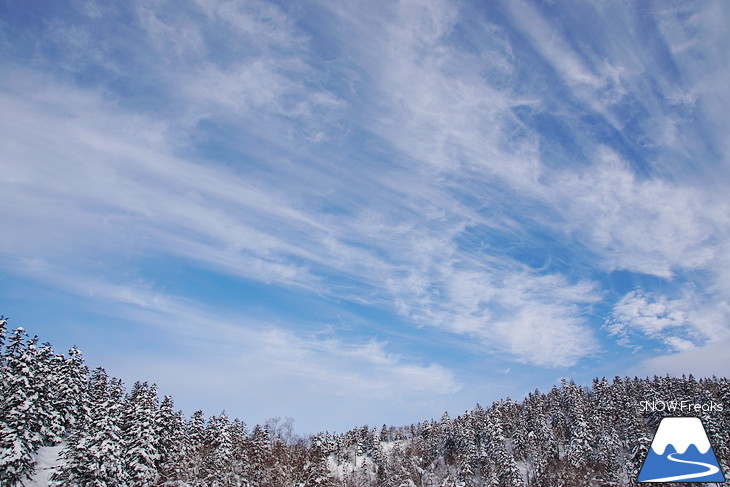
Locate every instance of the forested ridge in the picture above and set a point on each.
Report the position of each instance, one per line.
(569, 436)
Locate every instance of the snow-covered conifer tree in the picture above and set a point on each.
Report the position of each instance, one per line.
(47, 382)
(71, 397)
(384, 434)
(259, 455)
(316, 473)
(140, 442)
(240, 441)
(607, 445)
(506, 473)
(219, 463)
(94, 454)
(195, 449)
(19, 417)
(172, 442)
(3, 332)
(580, 444)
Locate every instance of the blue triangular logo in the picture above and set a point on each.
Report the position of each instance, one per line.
(681, 452)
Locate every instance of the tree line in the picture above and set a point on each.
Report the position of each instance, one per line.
(569, 436)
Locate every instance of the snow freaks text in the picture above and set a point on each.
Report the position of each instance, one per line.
(683, 406)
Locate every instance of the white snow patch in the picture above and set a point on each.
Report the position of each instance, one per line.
(388, 446)
(524, 468)
(46, 459)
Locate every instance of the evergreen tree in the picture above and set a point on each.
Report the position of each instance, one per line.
(195, 449)
(141, 444)
(218, 464)
(580, 444)
(94, 455)
(48, 378)
(20, 419)
(3, 332)
(505, 473)
(240, 461)
(172, 442)
(384, 434)
(606, 441)
(315, 472)
(71, 398)
(259, 456)
(4, 375)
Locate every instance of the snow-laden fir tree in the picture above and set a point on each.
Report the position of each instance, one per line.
(94, 454)
(607, 444)
(579, 451)
(194, 449)
(534, 440)
(70, 398)
(504, 469)
(631, 425)
(141, 445)
(48, 378)
(172, 443)
(241, 442)
(219, 463)
(20, 418)
(3, 331)
(315, 472)
(259, 456)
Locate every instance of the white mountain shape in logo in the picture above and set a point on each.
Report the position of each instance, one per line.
(680, 433)
(681, 452)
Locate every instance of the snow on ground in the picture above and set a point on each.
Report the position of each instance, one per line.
(388, 446)
(46, 459)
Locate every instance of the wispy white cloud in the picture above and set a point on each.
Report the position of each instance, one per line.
(471, 171)
(680, 324)
(648, 314)
(656, 317)
(214, 216)
(97, 185)
(535, 319)
(597, 86)
(642, 225)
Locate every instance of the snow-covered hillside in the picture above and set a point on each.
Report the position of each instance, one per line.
(570, 435)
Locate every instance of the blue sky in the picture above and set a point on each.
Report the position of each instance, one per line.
(367, 212)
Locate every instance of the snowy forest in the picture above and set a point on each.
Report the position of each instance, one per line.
(111, 436)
